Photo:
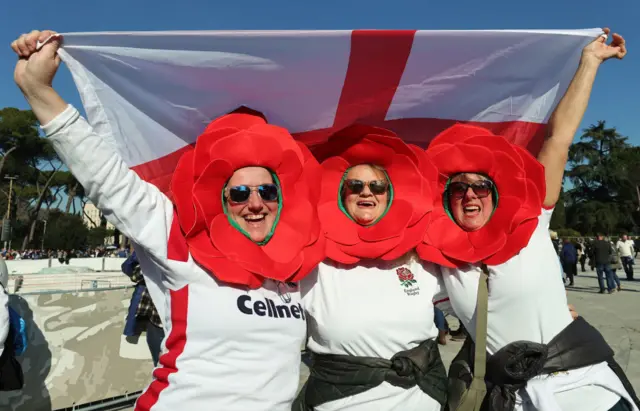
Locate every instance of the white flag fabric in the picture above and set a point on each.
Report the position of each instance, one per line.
(152, 93)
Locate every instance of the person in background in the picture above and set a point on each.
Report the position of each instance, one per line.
(569, 259)
(142, 314)
(602, 259)
(555, 240)
(441, 325)
(625, 248)
(590, 253)
(616, 264)
(582, 253)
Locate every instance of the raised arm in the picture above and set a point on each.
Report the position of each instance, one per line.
(138, 209)
(566, 118)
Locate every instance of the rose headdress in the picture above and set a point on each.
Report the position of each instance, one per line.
(243, 140)
(412, 179)
(519, 181)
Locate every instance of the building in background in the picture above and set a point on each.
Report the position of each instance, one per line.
(93, 218)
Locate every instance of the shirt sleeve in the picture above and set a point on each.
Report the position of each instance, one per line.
(138, 209)
(545, 218)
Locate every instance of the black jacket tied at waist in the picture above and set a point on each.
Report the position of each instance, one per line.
(578, 345)
(339, 376)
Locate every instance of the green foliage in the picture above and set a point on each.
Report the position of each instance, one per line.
(568, 232)
(558, 218)
(97, 235)
(65, 231)
(603, 169)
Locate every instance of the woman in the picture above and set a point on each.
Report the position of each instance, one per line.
(221, 256)
(493, 194)
(370, 305)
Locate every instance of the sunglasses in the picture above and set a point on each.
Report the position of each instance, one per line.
(482, 188)
(241, 194)
(376, 187)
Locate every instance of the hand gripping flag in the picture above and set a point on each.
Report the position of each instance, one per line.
(152, 93)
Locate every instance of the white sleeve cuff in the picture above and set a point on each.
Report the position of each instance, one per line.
(61, 121)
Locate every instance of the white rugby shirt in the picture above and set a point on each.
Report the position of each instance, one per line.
(369, 310)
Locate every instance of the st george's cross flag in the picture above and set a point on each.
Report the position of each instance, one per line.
(151, 94)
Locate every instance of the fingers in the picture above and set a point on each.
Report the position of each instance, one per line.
(603, 37)
(50, 48)
(27, 44)
(618, 42)
(21, 46)
(45, 34)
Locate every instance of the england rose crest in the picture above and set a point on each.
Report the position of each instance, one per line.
(405, 276)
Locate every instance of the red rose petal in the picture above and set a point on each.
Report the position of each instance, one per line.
(412, 237)
(207, 191)
(398, 216)
(291, 233)
(368, 152)
(372, 250)
(335, 253)
(239, 120)
(471, 159)
(181, 187)
(337, 226)
(457, 133)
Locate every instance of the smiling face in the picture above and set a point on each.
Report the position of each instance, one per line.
(365, 207)
(470, 209)
(255, 216)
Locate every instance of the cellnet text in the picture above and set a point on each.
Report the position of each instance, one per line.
(268, 308)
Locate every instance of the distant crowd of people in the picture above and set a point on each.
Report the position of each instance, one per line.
(64, 255)
(604, 254)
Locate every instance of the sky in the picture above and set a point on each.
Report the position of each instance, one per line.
(614, 99)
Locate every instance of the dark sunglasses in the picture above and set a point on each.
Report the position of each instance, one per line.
(482, 188)
(376, 187)
(240, 194)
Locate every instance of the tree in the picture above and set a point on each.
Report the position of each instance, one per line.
(97, 236)
(65, 231)
(18, 135)
(32, 159)
(559, 219)
(74, 190)
(603, 170)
